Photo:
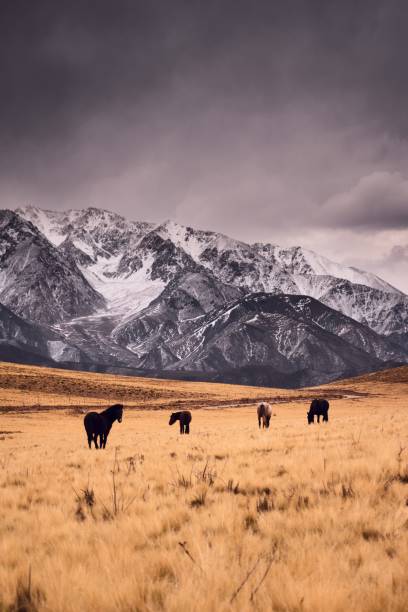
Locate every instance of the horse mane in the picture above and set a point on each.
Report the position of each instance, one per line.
(112, 411)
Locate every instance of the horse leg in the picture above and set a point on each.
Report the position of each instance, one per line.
(187, 428)
(105, 439)
(181, 427)
(95, 439)
(259, 422)
(89, 440)
(318, 418)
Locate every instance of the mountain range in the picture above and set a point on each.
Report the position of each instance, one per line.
(88, 288)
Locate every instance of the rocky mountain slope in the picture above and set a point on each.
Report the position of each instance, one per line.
(292, 337)
(37, 280)
(29, 342)
(168, 297)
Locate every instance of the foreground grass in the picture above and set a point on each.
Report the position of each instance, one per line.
(297, 518)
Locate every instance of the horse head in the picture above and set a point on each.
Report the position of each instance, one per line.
(173, 418)
(116, 412)
(310, 417)
(119, 412)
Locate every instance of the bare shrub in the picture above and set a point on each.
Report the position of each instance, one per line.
(199, 500)
(165, 572)
(372, 534)
(207, 475)
(85, 499)
(27, 598)
(264, 504)
(251, 523)
(233, 488)
(347, 491)
(302, 503)
(132, 461)
(182, 481)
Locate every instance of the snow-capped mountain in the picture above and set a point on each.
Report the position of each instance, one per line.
(136, 294)
(37, 280)
(130, 262)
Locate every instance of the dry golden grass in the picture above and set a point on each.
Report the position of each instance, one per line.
(26, 388)
(297, 518)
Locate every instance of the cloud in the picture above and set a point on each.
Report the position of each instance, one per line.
(378, 201)
(393, 266)
(397, 256)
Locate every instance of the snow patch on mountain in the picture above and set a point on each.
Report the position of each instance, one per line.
(123, 295)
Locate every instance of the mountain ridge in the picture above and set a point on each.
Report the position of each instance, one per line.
(117, 272)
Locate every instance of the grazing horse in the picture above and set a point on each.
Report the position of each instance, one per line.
(185, 419)
(264, 412)
(318, 407)
(100, 424)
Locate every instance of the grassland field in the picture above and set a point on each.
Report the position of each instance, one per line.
(296, 518)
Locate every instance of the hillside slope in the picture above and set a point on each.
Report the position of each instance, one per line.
(33, 388)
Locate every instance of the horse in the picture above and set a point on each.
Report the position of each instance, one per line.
(185, 419)
(318, 407)
(100, 423)
(264, 412)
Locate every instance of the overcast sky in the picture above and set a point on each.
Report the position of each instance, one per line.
(282, 121)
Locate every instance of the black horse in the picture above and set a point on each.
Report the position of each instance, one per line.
(100, 424)
(318, 407)
(185, 419)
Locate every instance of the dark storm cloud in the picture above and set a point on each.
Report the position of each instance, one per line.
(236, 115)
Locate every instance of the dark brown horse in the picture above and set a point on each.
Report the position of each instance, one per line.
(100, 423)
(318, 407)
(185, 419)
(264, 412)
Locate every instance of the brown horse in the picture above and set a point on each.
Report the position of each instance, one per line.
(185, 419)
(264, 412)
(318, 407)
(100, 423)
